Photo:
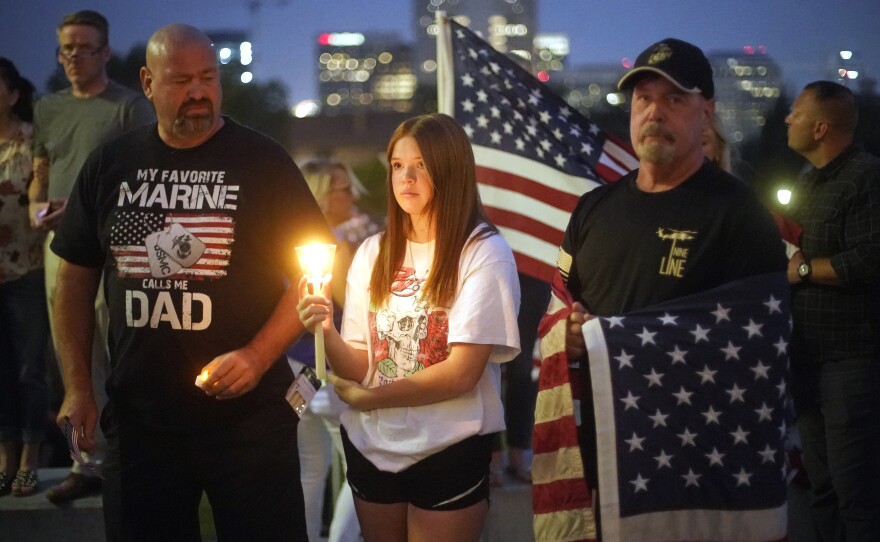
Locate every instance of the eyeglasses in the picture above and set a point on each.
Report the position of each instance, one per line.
(68, 52)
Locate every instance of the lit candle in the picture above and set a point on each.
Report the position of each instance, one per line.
(316, 262)
(201, 378)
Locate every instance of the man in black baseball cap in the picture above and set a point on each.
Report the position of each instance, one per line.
(671, 95)
(676, 226)
(682, 63)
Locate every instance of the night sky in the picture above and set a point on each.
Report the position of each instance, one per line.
(800, 35)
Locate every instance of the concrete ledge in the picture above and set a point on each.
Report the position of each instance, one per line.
(25, 519)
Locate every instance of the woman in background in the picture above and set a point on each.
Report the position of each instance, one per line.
(24, 322)
(715, 146)
(336, 189)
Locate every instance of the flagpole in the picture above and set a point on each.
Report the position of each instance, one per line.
(445, 74)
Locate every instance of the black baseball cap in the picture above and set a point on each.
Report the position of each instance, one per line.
(682, 63)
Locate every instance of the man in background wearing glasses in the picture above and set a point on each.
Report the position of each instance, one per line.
(68, 124)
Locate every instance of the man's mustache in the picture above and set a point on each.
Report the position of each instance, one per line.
(196, 103)
(654, 129)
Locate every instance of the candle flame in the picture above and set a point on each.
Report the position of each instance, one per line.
(316, 261)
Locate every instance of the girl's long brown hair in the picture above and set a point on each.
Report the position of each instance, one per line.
(455, 206)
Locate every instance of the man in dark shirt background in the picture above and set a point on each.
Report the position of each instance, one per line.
(835, 351)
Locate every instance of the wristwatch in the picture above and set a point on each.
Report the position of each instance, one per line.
(804, 271)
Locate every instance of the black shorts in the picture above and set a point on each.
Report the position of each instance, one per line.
(451, 479)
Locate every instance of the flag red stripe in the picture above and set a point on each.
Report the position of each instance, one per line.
(517, 221)
(201, 224)
(528, 187)
(607, 173)
(553, 435)
(554, 371)
(560, 495)
(550, 320)
(533, 268)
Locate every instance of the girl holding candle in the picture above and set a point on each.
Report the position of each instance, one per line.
(336, 189)
(430, 313)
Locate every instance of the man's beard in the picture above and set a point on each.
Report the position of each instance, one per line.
(193, 125)
(656, 152)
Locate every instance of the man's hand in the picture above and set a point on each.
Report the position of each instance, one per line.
(351, 392)
(46, 215)
(81, 410)
(232, 374)
(575, 347)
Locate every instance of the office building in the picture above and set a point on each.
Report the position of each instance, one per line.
(747, 84)
(234, 53)
(357, 72)
(507, 25)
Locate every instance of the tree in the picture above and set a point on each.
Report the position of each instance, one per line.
(766, 162)
(868, 131)
(261, 106)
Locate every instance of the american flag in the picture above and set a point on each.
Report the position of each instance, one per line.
(689, 409)
(535, 155)
(90, 468)
(128, 235)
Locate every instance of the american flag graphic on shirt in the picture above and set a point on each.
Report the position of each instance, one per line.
(128, 242)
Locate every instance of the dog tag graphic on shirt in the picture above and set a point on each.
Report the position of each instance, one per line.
(161, 264)
(183, 247)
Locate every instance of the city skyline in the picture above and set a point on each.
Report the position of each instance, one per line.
(285, 32)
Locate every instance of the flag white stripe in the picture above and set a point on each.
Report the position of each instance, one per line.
(515, 202)
(131, 261)
(531, 246)
(182, 220)
(608, 162)
(221, 230)
(532, 170)
(215, 240)
(621, 156)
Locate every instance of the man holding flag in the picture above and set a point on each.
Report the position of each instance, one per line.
(677, 276)
(687, 361)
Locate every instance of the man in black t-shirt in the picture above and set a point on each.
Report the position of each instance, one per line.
(192, 223)
(676, 226)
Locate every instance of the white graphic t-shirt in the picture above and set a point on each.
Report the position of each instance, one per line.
(407, 335)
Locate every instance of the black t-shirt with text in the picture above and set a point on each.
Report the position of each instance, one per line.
(631, 249)
(197, 248)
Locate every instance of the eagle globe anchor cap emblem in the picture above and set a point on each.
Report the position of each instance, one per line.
(680, 62)
(661, 53)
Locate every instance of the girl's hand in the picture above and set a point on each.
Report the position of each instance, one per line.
(350, 392)
(313, 308)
